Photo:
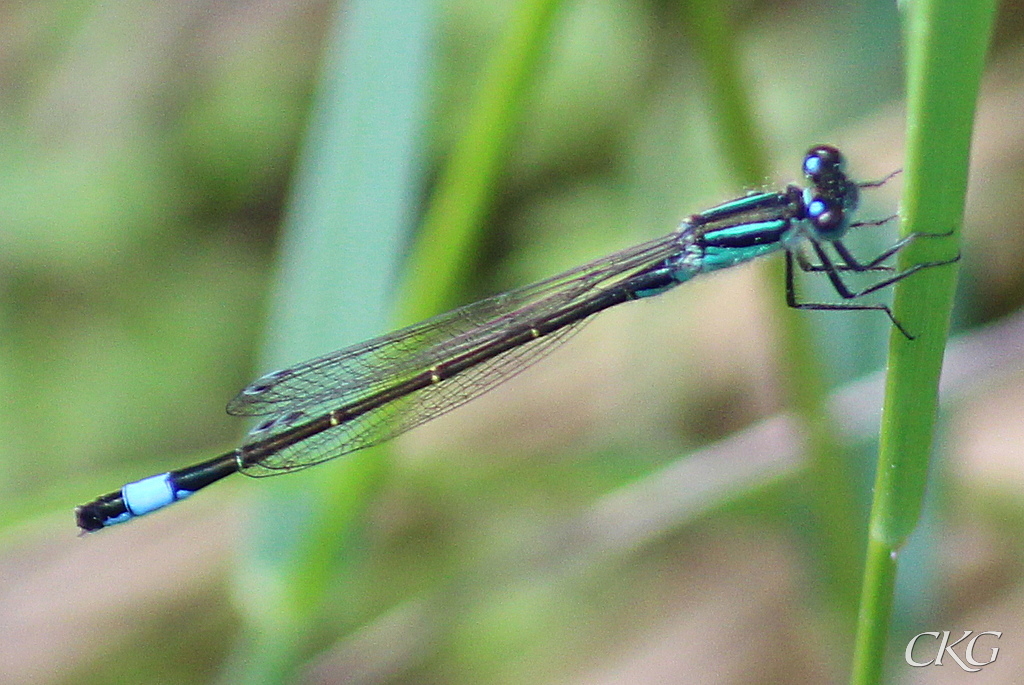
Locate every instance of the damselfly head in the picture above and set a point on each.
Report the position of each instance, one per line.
(828, 217)
(831, 196)
(822, 161)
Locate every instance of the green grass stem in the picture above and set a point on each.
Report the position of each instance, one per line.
(828, 489)
(947, 41)
(449, 236)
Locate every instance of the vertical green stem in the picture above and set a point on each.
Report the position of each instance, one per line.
(352, 203)
(296, 580)
(876, 601)
(947, 41)
(449, 234)
(828, 489)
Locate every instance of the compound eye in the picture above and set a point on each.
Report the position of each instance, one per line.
(822, 160)
(828, 218)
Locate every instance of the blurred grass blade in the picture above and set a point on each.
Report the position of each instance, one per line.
(829, 487)
(450, 233)
(352, 207)
(369, 69)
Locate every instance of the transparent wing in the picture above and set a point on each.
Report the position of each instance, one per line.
(301, 393)
(383, 423)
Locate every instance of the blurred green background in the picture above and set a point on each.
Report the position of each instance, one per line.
(630, 509)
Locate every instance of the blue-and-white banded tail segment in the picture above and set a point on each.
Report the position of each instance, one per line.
(370, 392)
(150, 494)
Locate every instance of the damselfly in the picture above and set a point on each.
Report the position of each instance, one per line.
(370, 392)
